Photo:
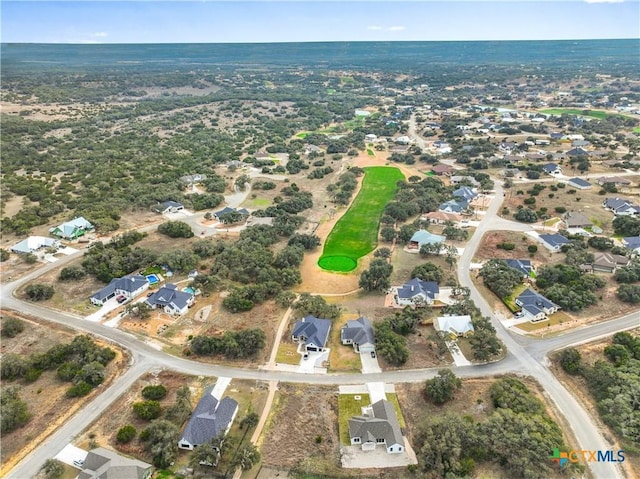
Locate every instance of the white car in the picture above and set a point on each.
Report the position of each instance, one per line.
(78, 463)
(519, 315)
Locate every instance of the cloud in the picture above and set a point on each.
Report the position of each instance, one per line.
(100, 35)
(374, 27)
(604, 1)
(396, 28)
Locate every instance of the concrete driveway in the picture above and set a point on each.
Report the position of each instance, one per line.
(369, 364)
(104, 310)
(313, 364)
(71, 453)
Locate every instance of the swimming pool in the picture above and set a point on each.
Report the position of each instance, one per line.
(189, 290)
(153, 278)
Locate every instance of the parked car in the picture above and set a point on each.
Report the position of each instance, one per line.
(78, 462)
(305, 356)
(373, 354)
(149, 293)
(519, 315)
(121, 299)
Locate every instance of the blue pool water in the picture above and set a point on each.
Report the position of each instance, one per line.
(153, 278)
(189, 289)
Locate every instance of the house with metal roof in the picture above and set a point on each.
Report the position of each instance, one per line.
(620, 207)
(378, 426)
(171, 300)
(416, 292)
(465, 193)
(73, 229)
(358, 333)
(608, 262)
(579, 183)
(211, 418)
(456, 179)
(219, 215)
(535, 306)
(454, 326)
(33, 244)
(421, 237)
(552, 169)
(553, 242)
(102, 463)
(311, 333)
(127, 286)
(632, 243)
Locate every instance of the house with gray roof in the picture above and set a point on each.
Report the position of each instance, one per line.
(193, 179)
(523, 266)
(33, 244)
(575, 152)
(171, 300)
(579, 183)
(358, 333)
(632, 243)
(454, 206)
(465, 193)
(311, 333)
(378, 426)
(211, 418)
(607, 262)
(553, 242)
(574, 219)
(219, 215)
(127, 286)
(552, 169)
(535, 306)
(620, 207)
(102, 463)
(456, 179)
(73, 229)
(416, 292)
(168, 207)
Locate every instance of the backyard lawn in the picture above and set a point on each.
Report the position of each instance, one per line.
(356, 233)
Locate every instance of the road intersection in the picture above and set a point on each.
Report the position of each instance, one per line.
(525, 356)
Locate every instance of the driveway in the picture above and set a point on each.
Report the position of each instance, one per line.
(71, 453)
(377, 392)
(353, 457)
(369, 364)
(458, 358)
(313, 364)
(103, 311)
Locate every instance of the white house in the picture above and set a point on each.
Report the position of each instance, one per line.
(171, 300)
(454, 325)
(33, 244)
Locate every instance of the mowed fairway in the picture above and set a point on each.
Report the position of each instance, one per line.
(356, 233)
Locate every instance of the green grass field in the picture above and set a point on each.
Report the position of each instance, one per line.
(356, 233)
(636, 129)
(370, 152)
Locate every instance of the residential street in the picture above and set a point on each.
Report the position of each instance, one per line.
(525, 356)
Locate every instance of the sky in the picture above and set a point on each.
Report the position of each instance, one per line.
(265, 21)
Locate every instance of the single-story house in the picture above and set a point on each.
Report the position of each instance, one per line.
(442, 170)
(580, 143)
(34, 243)
(632, 243)
(523, 266)
(556, 135)
(575, 152)
(465, 193)
(456, 179)
(574, 219)
(608, 262)
(73, 229)
(454, 325)
(416, 291)
(102, 463)
(507, 146)
(193, 179)
(358, 333)
(421, 237)
(616, 180)
(402, 140)
(620, 207)
(211, 418)
(378, 425)
(552, 169)
(261, 155)
(311, 332)
(553, 242)
(168, 207)
(308, 149)
(535, 156)
(171, 300)
(440, 217)
(370, 137)
(127, 286)
(453, 206)
(218, 215)
(535, 306)
(579, 183)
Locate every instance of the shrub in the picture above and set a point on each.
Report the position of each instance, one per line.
(147, 409)
(571, 361)
(11, 327)
(529, 201)
(157, 391)
(560, 209)
(507, 246)
(532, 248)
(126, 434)
(39, 292)
(72, 273)
(78, 390)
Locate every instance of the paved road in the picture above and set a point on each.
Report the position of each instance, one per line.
(525, 356)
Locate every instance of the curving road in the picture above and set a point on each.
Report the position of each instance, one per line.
(525, 356)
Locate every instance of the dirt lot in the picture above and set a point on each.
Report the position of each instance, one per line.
(488, 248)
(474, 400)
(51, 411)
(591, 353)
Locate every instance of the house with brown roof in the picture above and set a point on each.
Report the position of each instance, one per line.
(442, 170)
